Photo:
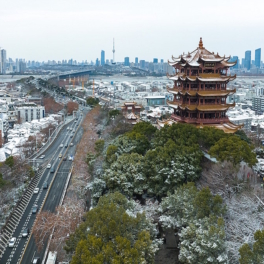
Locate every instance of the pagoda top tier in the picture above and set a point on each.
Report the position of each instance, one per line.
(200, 56)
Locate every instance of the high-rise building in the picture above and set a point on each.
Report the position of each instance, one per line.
(102, 57)
(161, 61)
(3, 61)
(258, 104)
(248, 59)
(155, 60)
(22, 67)
(17, 65)
(142, 64)
(97, 62)
(258, 57)
(151, 67)
(233, 59)
(126, 62)
(136, 61)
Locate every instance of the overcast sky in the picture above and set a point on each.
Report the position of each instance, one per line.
(80, 29)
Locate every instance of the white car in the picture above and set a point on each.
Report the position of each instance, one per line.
(36, 191)
(61, 145)
(70, 158)
(12, 242)
(71, 144)
(71, 128)
(42, 157)
(49, 166)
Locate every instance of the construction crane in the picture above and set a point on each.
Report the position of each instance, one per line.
(82, 83)
(73, 83)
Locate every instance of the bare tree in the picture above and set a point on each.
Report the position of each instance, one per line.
(72, 106)
(242, 195)
(59, 224)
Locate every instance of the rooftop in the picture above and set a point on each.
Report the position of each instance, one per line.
(199, 56)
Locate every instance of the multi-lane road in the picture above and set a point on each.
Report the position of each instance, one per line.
(25, 249)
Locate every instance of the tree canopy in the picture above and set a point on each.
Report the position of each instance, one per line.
(92, 101)
(198, 215)
(254, 254)
(110, 235)
(233, 149)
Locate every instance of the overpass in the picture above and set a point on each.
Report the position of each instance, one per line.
(73, 74)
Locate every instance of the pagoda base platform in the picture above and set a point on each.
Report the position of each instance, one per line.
(227, 127)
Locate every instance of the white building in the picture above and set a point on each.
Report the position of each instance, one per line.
(29, 112)
(4, 125)
(5, 97)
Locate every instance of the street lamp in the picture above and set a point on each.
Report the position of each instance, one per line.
(49, 133)
(258, 127)
(36, 143)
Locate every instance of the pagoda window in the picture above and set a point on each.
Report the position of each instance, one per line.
(209, 71)
(202, 86)
(209, 101)
(218, 86)
(182, 70)
(194, 72)
(223, 100)
(200, 70)
(216, 71)
(188, 72)
(194, 86)
(193, 101)
(201, 101)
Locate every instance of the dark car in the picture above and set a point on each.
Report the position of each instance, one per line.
(25, 232)
(52, 169)
(64, 158)
(45, 185)
(66, 145)
(34, 209)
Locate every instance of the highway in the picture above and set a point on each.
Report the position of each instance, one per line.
(15, 254)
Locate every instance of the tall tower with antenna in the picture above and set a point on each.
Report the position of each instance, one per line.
(113, 51)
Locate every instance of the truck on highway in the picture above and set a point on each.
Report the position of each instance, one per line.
(52, 257)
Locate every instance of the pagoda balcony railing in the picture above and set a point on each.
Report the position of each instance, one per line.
(199, 120)
(196, 103)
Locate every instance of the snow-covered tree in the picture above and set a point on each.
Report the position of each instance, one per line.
(203, 241)
(177, 209)
(256, 254)
(164, 178)
(126, 175)
(244, 210)
(197, 216)
(96, 187)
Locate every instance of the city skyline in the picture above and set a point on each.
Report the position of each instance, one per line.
(143, 30)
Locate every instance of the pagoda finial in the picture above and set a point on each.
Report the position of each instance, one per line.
(201, 44)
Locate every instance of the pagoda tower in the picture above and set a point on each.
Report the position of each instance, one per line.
(200, 89)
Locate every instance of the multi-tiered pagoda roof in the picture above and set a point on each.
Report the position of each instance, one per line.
(200, 89)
